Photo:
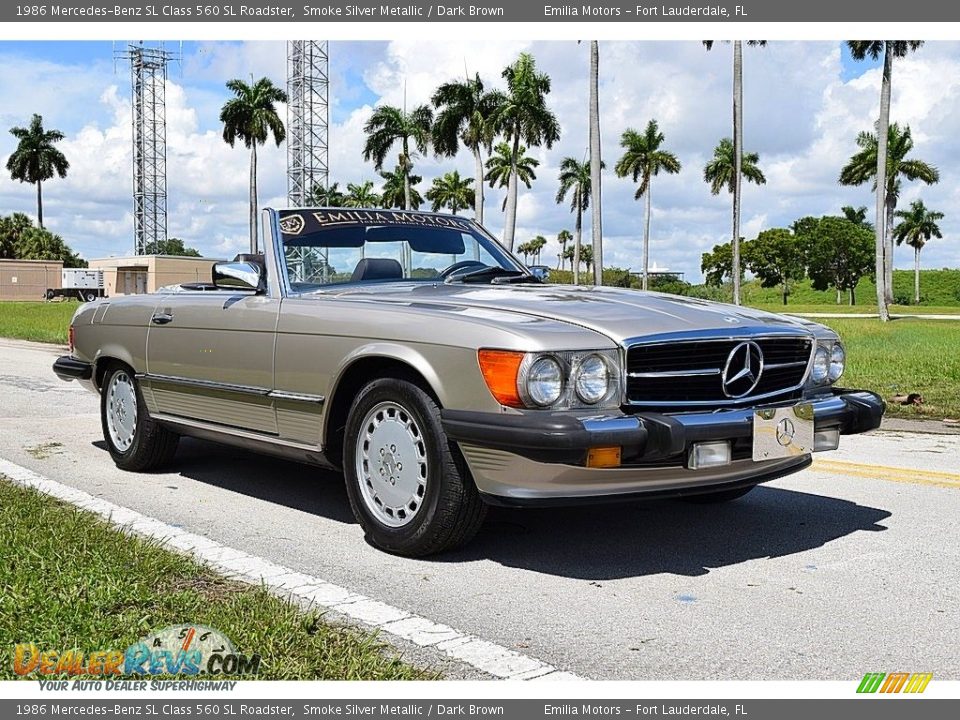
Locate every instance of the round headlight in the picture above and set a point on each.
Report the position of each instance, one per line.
(821, 364)
(544, 381)
(592, 378)
(838, 358)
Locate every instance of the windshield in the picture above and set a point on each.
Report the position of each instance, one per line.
(339, 245)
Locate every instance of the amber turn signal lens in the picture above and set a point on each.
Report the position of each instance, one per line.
(500, 369)
(603, 457)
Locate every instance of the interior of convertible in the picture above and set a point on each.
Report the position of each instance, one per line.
(372, 252)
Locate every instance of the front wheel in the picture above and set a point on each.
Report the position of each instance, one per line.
(135, 441)
(409, 488)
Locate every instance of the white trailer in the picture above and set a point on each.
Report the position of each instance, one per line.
(80, 283)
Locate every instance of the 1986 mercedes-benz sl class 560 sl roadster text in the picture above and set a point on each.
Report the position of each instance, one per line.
(414, 353)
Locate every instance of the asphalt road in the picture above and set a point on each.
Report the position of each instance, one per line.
(846, 568)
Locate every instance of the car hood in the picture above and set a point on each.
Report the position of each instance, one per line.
(617, 313)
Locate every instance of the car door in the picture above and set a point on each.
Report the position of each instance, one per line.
(210, 358)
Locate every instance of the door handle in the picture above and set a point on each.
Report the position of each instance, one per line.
(161, 318)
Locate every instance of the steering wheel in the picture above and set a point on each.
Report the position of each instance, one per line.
(458, 268)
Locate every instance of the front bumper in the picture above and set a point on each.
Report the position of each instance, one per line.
(541, 458)
(69, 368)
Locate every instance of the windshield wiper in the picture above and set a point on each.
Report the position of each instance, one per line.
(493, 274)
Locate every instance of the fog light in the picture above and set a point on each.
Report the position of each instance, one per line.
(603, 457)
(708, 454)
(826, 439)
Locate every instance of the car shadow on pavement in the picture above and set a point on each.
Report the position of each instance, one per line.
(295, 485)
(607, 542)
(594, 542)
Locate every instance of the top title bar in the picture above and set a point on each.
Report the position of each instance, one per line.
(480, 11)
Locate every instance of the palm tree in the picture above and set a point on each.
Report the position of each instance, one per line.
(251, 115)
(642, 159)
(596, 163)
(586, 256)
(568, 255)
(721, 172)
(451, 191)
(862, 167)
(918, 226)
(890, 49)
(575, 179)
(857, 215)
(525, 250)
(523, 117)
(389, 125)
(563, 237)
(501, 166)
(537, 245)
(361, 195)
(36, 158)
(394, 191)
(331, 196)
(737, 153)
(465, 112)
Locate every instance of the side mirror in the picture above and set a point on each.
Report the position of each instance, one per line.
(239, 276)
(541, 272)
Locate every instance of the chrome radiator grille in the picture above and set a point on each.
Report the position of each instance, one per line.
(716, 372)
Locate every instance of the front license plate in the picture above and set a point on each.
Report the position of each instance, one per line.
(782, 432)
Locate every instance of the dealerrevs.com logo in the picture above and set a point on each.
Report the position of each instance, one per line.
(175, 650)
(898, 682)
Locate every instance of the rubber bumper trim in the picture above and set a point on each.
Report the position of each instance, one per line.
(68, 368)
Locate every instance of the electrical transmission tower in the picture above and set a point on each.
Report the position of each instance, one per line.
(308, 116)
(148, 75)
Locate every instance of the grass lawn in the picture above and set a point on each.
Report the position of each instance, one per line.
(71, 580)
(802, 308)
(904, 356)
(40, 321)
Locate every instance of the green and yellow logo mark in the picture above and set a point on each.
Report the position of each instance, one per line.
(898, 682)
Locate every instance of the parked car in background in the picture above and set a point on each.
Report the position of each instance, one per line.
(414, 353)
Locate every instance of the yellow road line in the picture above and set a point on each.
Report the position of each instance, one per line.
(889, 473)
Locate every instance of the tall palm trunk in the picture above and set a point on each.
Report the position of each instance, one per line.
(39, 205)
(576, 242)
(881, 219)
(916, 276)
(478, 194)
(888, 247)
(253, 198)
(478, 183)
(596, 222)
(510, 222)
(737, 162)
(406, 176)
(644, 285)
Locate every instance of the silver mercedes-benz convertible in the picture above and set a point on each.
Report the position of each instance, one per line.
(413, 352)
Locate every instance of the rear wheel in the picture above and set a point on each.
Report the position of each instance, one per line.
(408, 485)
(722, 496)
(134, 440)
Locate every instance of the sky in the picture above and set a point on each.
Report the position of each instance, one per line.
(804, 103)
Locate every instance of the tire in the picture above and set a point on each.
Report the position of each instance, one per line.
(431, 506)
(88, 297)
(135, 441)
(49, 294)
(721, 496)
